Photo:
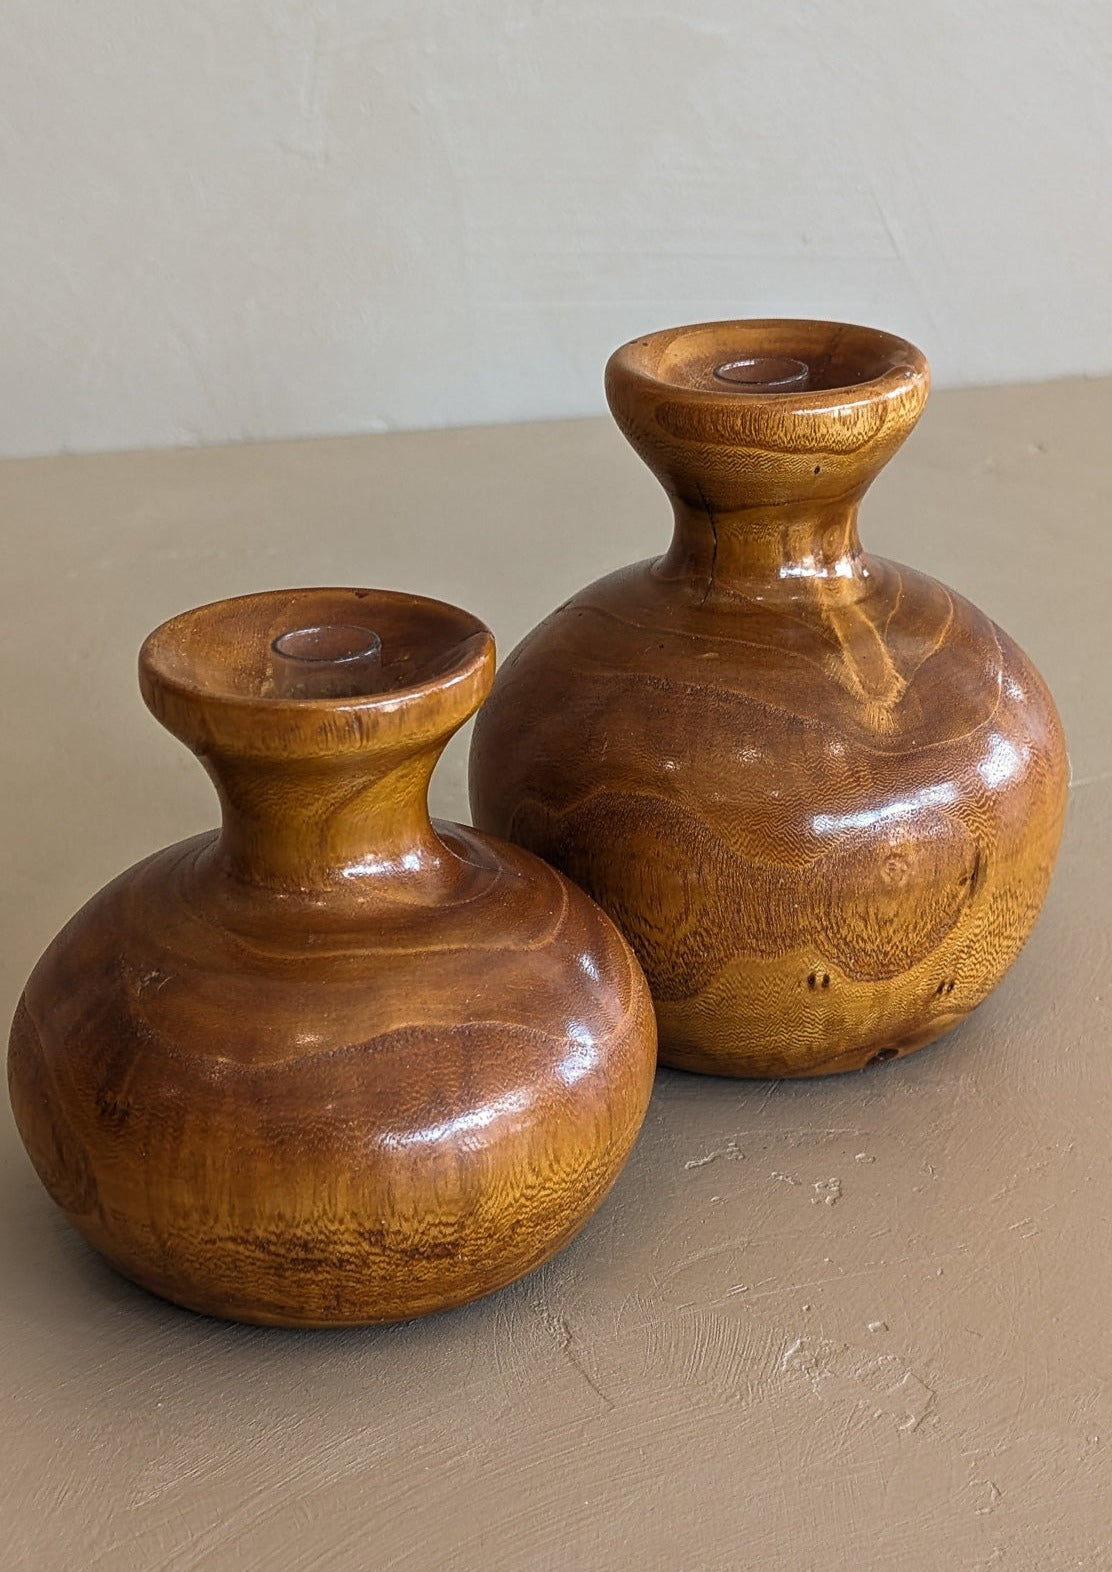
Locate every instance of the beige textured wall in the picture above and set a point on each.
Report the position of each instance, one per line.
(236, 218)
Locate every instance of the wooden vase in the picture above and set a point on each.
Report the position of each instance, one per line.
(335, 1062)
(821, 793)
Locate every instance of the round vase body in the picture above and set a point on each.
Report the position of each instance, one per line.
(821, 794)
(334, 1063)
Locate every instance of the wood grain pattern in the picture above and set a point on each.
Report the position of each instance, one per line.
(821, 793)
(336, 1062)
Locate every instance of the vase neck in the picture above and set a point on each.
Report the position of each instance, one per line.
(786, 550)
(766, 435)
(322, 772)
(360, 826)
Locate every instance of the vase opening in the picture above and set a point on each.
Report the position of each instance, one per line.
(767, 357)
(252, 677)
(332, 660)
(764, 373)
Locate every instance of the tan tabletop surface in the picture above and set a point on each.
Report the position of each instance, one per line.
(734, 1365)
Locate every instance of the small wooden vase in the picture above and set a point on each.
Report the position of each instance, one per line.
(822, 794)
(334, 1063)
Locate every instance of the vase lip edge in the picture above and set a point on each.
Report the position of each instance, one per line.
(326, 724)
(905, 368)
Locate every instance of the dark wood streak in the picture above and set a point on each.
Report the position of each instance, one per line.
(337, 1062)
(770, 756)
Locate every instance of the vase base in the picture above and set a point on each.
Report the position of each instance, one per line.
(778, 1067)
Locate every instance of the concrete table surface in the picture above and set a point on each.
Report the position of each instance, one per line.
(847, 1324)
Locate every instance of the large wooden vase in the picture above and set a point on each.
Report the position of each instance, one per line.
(821, 793)
(335, 1062)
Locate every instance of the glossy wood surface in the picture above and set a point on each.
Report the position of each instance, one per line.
(336, 1062)
(728, 1365)
(821, 793)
